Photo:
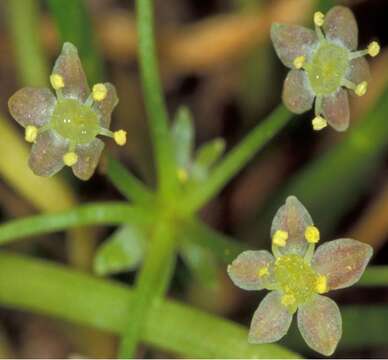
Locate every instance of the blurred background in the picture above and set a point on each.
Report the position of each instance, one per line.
(216, 58)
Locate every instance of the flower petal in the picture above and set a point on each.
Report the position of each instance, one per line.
(46, 157)
(293, 218)
(291, 41)
(106, 106)
(88, 158)
(297, 95)
(336, 111)
(320, 324)
(343, 261)
(270, 321)
(245, 269)
(69, 66)
(359, 70)
(340, 24)
(32, 106)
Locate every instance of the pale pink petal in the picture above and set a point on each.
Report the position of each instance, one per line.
(336, 111)
(340, 24)
(244, 270)
(32, 106)
(270, 321)
(320, 324)
(297, 95)
(359, 70)
(46, 156)
(293, 218)
(291, 41)
(88, 158)
(343, 261)
(106, 106)
(69, 66)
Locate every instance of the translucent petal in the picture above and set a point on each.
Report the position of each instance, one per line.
(270, 321)
(183, 136)
(343, 261)
(297, 95)
(320, 324)
(359, 70)
(244, 270)
(47, 153)
(293, 218)
(32, 106)
(336, 111)
(69, 66)
(291, 41)
(340, 24)
(106, 106)
(88, 157)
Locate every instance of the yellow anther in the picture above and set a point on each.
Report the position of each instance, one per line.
(263, 271)
(374, 48)
(319, 123)
(120, 137)
(99, 92)
(30, 133)
(361, 88)
(288, 299)
(280, 238)
(299, 62)
(70, 158)
(321, 284)
(319, 18)
(57, 81)
(311, 234)
(182, 174)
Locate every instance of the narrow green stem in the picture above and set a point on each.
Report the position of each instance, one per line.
(151, 285)
(237, 159)
(23, 25)
(374, 276)
(54, 290)
(155, 106)
(98, 213)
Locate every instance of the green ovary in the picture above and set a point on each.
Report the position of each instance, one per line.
(327, 68)
(296, 278)
(75, 121)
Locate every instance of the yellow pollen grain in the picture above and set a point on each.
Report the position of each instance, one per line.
(280, 238)
(263, 271)
(321, 284)
(70, 158)
(120, 137)
(57, 81)
(319, 123)
(182, 175)
(374, 48)
(361, 88)
(288, 299)
(319, 18)
(99, 92)
(31, 133)
(312, 234)
(299, 62)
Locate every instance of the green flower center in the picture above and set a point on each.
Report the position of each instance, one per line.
(296, 279)
(327, 68)
(75, 121)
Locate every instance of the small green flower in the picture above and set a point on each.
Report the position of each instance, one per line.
(64, 129)
(297, 277)
(324, 64)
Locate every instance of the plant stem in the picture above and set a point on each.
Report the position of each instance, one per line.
(374, 276)
(155, 106)
(237, 158)
(54, 290)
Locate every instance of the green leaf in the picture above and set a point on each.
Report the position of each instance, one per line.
(122, 251)
(183, 136)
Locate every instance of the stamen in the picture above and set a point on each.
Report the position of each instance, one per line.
(361, 88)
(120, 137)
(318, 105)
(31, 133)
(373, 48)
(70, 158)
(321, 284)
(319, 18)
(280, 238)
(299, 61)
(263, 271)
(288, 299)
(319, 123)
(348, 84)
(312, 234)
(182, 175)
(57, 81)
(99, 92)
